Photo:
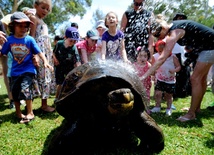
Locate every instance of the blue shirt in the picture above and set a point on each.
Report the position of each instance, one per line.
(22, 50)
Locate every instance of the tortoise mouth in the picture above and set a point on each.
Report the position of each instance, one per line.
(121, 101)
(120, 108)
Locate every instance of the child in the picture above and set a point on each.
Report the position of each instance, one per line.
(87, 48)
(113, 40)
(165, 77)
(66, 56)
(100, 27)
(22, 47)
(142, 65)
(39, 31)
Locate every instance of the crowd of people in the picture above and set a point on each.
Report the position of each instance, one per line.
(31, 67)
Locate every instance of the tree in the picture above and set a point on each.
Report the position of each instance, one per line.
(197, 10)
(97, 15)
(61, 10)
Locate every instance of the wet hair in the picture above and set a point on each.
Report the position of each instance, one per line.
(179, 16)
(144, 49)
(157, 24)
(108, 15)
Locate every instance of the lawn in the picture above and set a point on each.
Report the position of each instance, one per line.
(192, 138)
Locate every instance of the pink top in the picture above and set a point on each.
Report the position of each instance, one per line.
(141, 70)
(84, 45)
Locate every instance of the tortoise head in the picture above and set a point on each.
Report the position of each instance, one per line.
(121, 101)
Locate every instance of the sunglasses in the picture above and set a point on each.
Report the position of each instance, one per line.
(138, 4)
(93, 40)
(158, 32)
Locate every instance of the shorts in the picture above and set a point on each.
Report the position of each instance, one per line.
(22, 86)
(60, 74)
(165, 87)
(60, 77)
(206, 56)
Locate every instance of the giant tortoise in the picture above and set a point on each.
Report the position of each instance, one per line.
(104, 105)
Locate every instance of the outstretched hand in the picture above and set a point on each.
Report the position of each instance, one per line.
(2, 38)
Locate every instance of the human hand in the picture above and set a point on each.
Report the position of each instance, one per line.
(2, 38)
(48, 66)
(129, 62)
(171, 71)
(36, 60)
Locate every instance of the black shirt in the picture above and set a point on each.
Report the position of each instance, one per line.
(196, 35)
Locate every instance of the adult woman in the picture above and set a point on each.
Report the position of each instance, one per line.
(135, 25)
(187, 32)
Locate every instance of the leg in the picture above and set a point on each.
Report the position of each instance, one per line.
(45, 106)
(30, 114)
(169, 99)
(18, 110)
(59, 86)
(6, 80)
(199, 84)
(158, 98)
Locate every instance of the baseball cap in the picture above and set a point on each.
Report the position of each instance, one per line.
(72, 33)
(100, 23)
(91, 34)
(20, 17)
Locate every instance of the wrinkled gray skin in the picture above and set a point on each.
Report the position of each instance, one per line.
(88, 94)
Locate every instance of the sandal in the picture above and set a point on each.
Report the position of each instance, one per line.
(26, 120)
(185, 119)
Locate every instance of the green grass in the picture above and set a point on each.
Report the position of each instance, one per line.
(192, 138)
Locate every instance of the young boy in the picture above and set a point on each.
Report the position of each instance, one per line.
(22, 47)
(66, 56)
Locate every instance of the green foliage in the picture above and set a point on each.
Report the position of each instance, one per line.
(97, 15)
(192, 138)
(61, 10)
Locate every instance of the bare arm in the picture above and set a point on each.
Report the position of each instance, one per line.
(103, 50)
(173, 37)
(3, 38)
(177, 65)
(123, 52)
(151, 42)
(33, 26)
(84, 55)
(123, 22)
(42, 56)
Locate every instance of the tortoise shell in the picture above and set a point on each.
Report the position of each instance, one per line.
(106, 97)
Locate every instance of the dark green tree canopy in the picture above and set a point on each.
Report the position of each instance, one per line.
(62, 10)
